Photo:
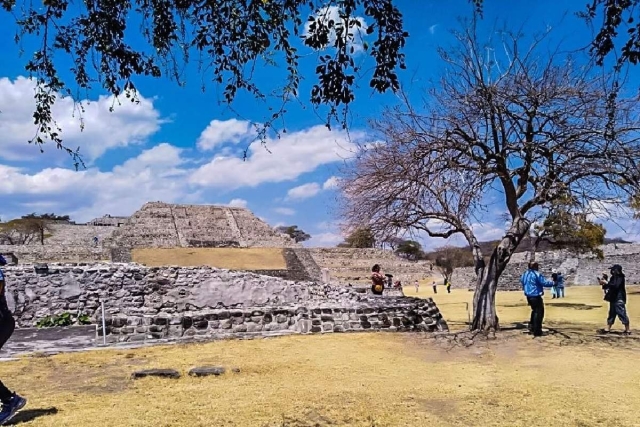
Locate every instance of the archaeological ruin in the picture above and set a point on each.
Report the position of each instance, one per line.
(144, 303)
(578, 269)
(187, 271)
(274, 287)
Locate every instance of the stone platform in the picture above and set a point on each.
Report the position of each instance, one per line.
(171, 303)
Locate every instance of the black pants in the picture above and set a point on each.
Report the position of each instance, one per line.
(537, 315)
(617, 308)
(7, 326)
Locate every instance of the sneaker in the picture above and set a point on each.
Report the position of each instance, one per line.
(10, 408)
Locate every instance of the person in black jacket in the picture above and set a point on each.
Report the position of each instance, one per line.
(11, 402)
(616, 294)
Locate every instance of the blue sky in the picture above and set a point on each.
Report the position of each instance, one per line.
(182, 145)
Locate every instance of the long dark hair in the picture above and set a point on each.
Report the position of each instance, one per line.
(375, 268)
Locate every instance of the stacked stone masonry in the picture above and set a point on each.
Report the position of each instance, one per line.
(173, 302)
(351, 265)
(163, 225)
(577, 269)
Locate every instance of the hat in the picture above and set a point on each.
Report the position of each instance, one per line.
(616, 267)
(554, 271)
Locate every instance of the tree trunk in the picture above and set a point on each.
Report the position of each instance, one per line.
(484, 299)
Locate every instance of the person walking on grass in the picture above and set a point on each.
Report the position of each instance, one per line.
(435, 287)
(558, 284)
(11, 402)
(616, 295)
(417, 285)
(533, 284)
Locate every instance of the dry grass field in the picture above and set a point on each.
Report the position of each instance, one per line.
(568, 378)
(229, 258)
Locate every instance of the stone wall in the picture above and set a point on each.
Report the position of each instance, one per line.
(353, 265)
(56, 253)
(172, 302)
(577, 269)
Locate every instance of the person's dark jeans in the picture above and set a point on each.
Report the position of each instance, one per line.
(7, 326)
(617, 308)
(537, 315)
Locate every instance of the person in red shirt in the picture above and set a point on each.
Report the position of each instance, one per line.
(377, 279)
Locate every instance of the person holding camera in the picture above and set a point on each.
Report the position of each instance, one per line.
(533, 284)
(11, 402)
(616, 295)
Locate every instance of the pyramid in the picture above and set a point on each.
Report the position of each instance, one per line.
(164, 225)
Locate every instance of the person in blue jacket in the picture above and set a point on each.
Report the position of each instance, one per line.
(533, 284)
(558, 284)
(11, 402)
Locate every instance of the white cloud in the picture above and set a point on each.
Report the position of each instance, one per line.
(238, 203)
(95, 130)
(331, 183)
(332, 13)
(219, 132)
(303, 191)
(285, 211)
(326, 239)
(432, 29)
(289, 157)
(151, 176)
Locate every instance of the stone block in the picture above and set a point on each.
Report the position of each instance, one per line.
(162, 373)
(253, 327)
(205, 371)
(214, 324)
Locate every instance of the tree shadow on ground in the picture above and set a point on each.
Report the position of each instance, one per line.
(576, 306)
(31, 414)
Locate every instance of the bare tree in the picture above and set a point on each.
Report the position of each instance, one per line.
(18, 232)
(522, 132)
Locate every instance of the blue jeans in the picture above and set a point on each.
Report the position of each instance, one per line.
(559, 291)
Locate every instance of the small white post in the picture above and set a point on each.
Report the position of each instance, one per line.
(104, 325)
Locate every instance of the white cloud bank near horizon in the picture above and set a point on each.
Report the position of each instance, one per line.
(169, 173)
(154, 172)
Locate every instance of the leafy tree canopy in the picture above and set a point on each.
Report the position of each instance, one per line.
(229, 39)
(47, 217)
(360, 238)
(409, 249)
(294, 232)
(566, 227)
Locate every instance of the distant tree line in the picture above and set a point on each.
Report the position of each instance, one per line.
(29, 228)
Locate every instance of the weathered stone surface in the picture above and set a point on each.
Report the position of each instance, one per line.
(163, 373)
(205, 371)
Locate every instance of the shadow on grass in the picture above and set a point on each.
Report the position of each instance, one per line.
(576, 306)
(30, 415)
